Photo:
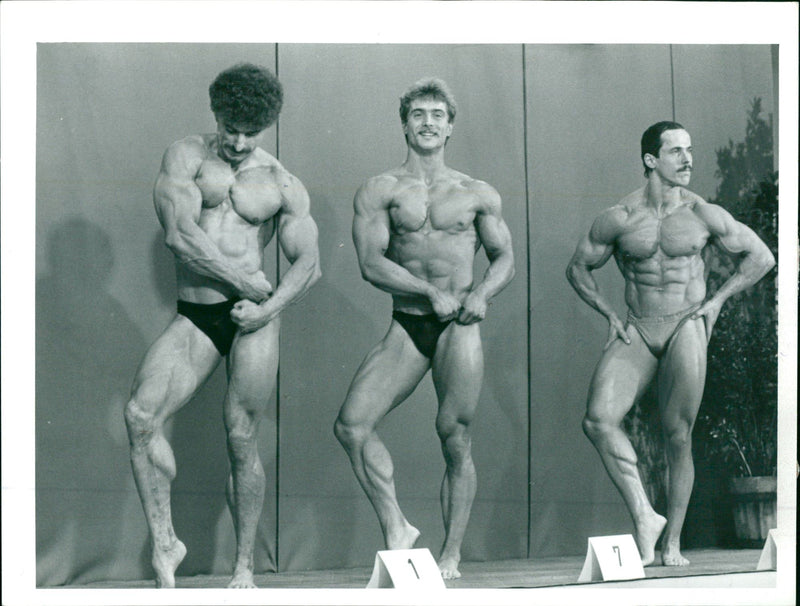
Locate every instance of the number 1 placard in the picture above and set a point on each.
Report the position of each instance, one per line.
(612, 558)
(406, 569)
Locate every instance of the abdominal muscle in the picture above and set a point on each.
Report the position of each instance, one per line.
(442, 259)
(238, 241)
(659, 287)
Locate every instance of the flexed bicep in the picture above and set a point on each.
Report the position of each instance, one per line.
(371, 228)
(177, 198)
(588, 256)
(736, 239)
(297, 230)
(492, 229)
(495, 237)
(593, 251)
(372, 236)
(298, 237)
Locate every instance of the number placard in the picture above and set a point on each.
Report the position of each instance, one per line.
(769, 554)
(612, 558)
(406, 569)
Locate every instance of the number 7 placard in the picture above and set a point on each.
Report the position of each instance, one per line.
(406, 569)
(612, 558)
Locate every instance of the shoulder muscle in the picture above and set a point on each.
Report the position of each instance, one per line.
(293, 193)
(182, 159)
(489, 201)
(372, 195)
(606, 227)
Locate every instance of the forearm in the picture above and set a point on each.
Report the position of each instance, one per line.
(750, 270)
(498, 275)
(294, 284)
(581, 279)
(394, 279)
(195, 250)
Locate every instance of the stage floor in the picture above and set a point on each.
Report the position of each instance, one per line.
(709, 568)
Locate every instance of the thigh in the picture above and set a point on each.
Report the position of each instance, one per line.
(621, 376)
(386, 377)
(682, 374)
(252, 366)
(174, 368)
(458, 371)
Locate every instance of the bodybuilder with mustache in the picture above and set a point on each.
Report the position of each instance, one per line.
(417, 229)
(657, 236)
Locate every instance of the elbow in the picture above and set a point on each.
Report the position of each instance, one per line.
(175, 243)
(571, 273)
(179, 237)
(366, 275)
(315, 275)
(512, 265)
(577, 276)
(770, 261)
(503, 265)
(367, 271)
(765, 261)
(310, 268)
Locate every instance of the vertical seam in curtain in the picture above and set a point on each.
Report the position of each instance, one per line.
(672, 82)
(528, 291)
(278, 377)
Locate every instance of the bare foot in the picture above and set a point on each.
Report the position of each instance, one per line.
(449, 568)
(403, 539)
(671, 555)
(646, 536)
(242, 579)
(166, 562)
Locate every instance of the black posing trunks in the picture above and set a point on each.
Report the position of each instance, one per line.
(214, 320)
(424, 330)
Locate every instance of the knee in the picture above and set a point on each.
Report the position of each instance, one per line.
(595, 429)
(454, 437)
(350, 435)
(591, 428)
(446, 426)
(241, 429)
(679, 437)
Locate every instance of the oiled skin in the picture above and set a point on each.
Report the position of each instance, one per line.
(657, 235)
(218, 198)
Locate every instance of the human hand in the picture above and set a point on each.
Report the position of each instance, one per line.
(473, 309)
(616, 330)
(709, 311)
(248, 316)
(256, 287)
(445, 305)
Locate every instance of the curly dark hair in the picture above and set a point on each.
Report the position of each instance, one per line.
(246, 94)
(428, 87)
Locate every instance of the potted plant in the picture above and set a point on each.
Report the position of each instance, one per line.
(737, 427)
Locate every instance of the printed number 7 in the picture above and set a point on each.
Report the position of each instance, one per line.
(619, 555)
(414, 567)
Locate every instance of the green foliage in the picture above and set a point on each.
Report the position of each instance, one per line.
(742, 166)
(737, 426)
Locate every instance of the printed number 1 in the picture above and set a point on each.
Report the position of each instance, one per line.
(414, 567)
(619, 555)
